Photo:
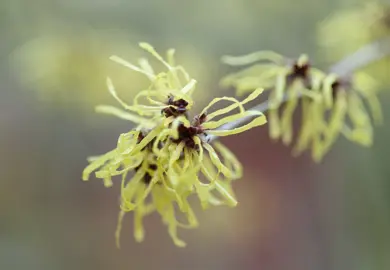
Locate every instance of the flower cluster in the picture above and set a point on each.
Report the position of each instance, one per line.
(330, 104)
(167, 156)
(43, 64)
(363, 24)
(347, 30)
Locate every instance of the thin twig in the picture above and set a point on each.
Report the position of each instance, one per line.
(362, 57)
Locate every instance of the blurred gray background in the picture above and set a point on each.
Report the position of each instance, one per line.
(292, 214)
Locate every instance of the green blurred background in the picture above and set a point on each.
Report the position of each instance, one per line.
(292, 214)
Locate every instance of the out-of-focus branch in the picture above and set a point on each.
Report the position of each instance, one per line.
(362, 57)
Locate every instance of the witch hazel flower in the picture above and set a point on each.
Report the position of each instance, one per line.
(167, 157)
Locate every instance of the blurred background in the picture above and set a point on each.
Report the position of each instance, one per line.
(292, 214)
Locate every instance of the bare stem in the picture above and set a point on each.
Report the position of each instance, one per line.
(362, 57)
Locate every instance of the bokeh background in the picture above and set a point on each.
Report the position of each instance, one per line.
(292, 214)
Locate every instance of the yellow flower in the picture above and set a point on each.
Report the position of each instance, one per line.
(286, 80)
(70, 68)
(330, 105)
(348, 30)
(167, 157)
(273, 72)
(344, 104)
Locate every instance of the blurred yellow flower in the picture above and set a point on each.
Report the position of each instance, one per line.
(168, 155)
(346, 101)
(286, 80)
(348, 30)
(71, 68)
(330, 105)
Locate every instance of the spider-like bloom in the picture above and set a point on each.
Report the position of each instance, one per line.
(347, 30)
(351, 102)
(287, 80)
(329, 105)
(167, 157)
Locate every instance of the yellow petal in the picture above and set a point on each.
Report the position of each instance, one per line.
(97, 163)
(231, 201)
(274, 124)
(124, 115)
(119, 228)
(230, 158)
(376, 109)
(253, 57)
(257, 121)
(123, 62)
(327, 89)
(216, 161)
(149, 48)
(306, 129)
(287, 116)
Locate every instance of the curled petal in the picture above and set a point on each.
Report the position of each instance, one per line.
(123, 62)
(97, 162)
(125, 115)
(149, 48)
(259, 119)
(328, 90)
(287, 116)
(216, 161)
(226, 193)
(253, 57)
(230, 159)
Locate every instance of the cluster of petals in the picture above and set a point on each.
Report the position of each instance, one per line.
(330, 105)
(167, 157)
